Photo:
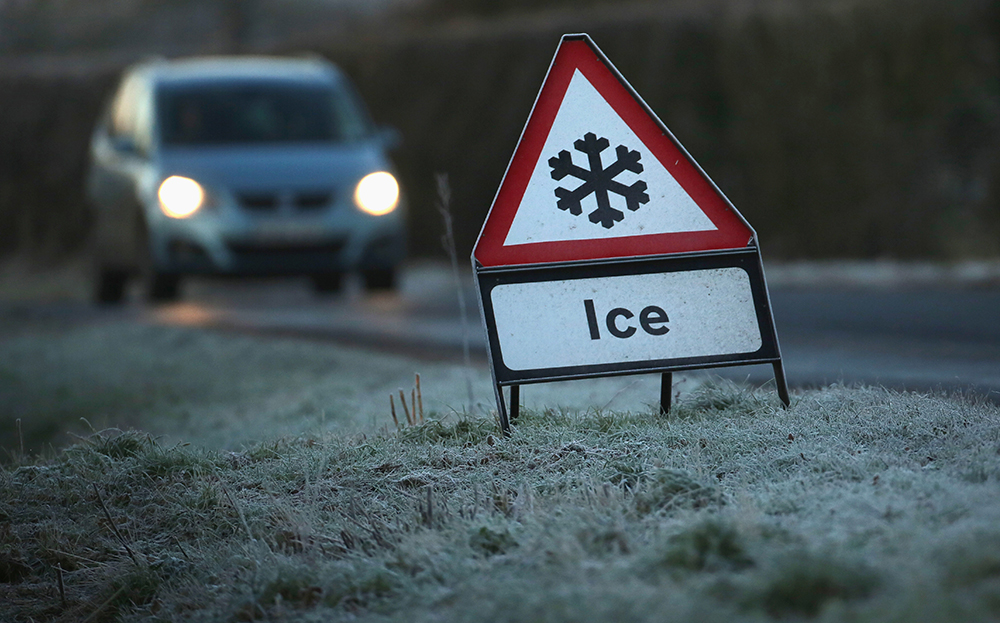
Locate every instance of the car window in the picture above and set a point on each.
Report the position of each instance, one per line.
(258, 112)
(128, 119)
(123, 110)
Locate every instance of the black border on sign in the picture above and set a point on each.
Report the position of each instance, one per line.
(747, 259)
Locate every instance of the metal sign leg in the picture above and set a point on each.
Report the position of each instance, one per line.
(502, 411)
(779, 381)
(666, 388)
(515, 400)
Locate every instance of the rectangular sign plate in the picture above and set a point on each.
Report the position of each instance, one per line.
(660, 314)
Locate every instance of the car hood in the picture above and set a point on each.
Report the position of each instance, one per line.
(274, 167)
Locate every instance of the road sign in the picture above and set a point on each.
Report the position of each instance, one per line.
(624, 187)
(608, 250)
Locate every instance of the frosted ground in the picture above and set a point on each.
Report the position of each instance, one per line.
(266, 480)
(852, 505)
(222, 390)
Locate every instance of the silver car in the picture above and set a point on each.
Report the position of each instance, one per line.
(241, 166)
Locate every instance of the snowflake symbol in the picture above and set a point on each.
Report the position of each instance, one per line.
(598, 180)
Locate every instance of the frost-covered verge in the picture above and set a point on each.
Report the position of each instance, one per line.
(72, 372)
(854, 504)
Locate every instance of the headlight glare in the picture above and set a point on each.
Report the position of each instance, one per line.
(377, 193)
(180, 197)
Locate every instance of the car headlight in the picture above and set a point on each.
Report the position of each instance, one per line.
(377, 193)
(180, 197)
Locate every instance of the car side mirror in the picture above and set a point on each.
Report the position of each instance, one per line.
(390, 137)
(124, 145)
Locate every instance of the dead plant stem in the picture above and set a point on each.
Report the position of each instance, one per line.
(114, 528)
(406, 410)
(448, 240)
(420, 399)
(392, 408)
(239, 512)
(101, 607)
(62, 587)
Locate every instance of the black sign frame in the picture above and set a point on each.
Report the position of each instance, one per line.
(749, 260)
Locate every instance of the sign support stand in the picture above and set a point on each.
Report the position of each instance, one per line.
(666, 389)
(782, 385)
(608, 251)
(666, 395)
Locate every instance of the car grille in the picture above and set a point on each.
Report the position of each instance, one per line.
(312, 201)
(304, 201)
(259, 203)
(275, 257)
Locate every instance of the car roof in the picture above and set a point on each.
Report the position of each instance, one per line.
(223, 68)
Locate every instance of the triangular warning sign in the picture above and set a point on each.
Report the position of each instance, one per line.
(596, 175)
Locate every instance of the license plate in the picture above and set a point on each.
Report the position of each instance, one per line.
(286, 232)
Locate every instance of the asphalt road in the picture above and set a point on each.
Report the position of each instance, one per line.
(931, 333)
(923, 329)
(920, 338)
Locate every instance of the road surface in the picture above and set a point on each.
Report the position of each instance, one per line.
(922, 328)
(929, 332)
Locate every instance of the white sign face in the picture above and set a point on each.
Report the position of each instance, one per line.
(605, 168)
(626, 318)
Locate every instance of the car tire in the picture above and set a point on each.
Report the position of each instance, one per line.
(163, 288)
(328, 282)
(109, 286)
(379, 279)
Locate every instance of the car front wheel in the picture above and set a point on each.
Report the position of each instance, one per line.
(109, 286)
(327, 282)
(162, 288)
(379, 278)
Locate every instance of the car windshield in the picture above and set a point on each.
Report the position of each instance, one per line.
(258, 112)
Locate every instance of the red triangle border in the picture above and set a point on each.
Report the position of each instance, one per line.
(578, 52)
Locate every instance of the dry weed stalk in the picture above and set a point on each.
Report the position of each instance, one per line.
(448, 241)
(415, 411)
(392, 407)
(114, 528)
(100, 609)
(406, 410)
(239, 512)
(420, 398)
(62, 587)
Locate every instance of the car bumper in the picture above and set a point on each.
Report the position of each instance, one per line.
(275, 247)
